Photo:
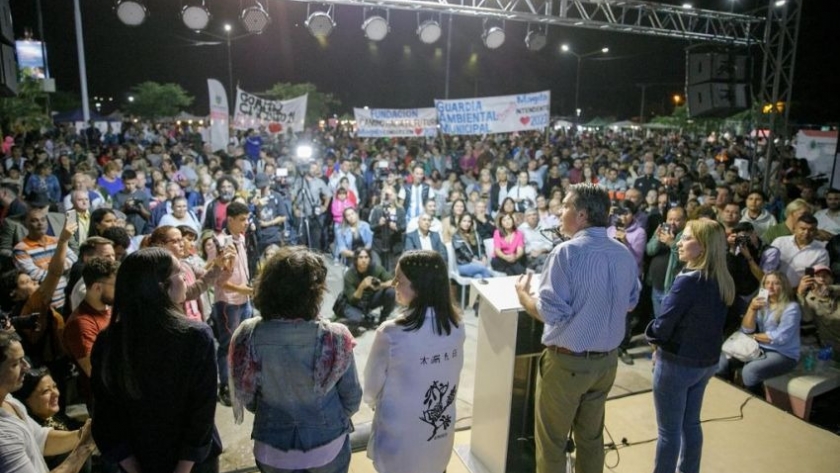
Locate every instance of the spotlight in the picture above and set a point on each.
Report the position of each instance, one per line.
(131, 12)
(493, 37)
(429, 31)
(535, 40)
(320, 24)
(376, 28)
(255, 18)
(195, 17)
(304, 152)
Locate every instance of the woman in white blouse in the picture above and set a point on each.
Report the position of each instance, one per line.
(413, 374)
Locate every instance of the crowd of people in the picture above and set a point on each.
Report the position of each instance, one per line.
(110, 241)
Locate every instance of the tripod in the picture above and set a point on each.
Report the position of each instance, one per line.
(303, 192)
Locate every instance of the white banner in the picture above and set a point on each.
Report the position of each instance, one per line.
(276, 115)
(502, 114)
(219, 116)
(387, 122)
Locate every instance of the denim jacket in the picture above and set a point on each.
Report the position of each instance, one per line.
(289, 414)
(344, 237)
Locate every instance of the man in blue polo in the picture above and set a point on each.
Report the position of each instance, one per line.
(588, 285)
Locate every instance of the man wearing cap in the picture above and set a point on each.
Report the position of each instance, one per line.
(818, 297)
(272, 212)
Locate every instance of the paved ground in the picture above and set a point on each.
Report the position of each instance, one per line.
(237, 456)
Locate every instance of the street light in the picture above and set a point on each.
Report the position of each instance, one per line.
(566, 49)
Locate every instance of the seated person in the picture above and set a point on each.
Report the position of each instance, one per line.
(819, 298)
(509, 246)
(39, 394)
(24, 443)
(469, 250)
(747, 259)
(537, 246)
(774, 323)
(367, 286)
(352, 235)
(425, 238)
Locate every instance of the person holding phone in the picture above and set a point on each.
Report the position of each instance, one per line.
(772, 319)
(818, 296)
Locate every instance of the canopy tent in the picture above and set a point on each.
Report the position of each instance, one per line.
(78, 116)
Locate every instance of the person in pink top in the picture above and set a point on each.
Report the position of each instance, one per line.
(508, 246)
(342, 200)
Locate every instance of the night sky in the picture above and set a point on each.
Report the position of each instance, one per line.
(401, 72)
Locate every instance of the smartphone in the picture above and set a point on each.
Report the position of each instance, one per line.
(281, 172)
(809, 271)
(763, 293)
(73, 217)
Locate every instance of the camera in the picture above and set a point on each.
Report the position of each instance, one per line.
(743, 240)
(666, 228)
(20, 322)
(375, 283)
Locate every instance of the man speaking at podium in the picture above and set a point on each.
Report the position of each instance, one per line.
(588, 285)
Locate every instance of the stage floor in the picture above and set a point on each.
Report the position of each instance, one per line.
(765, 440)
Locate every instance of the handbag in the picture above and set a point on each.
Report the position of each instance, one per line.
(741, 347)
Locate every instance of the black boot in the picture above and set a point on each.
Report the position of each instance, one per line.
(224, 395)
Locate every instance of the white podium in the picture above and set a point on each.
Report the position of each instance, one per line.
(508, 346)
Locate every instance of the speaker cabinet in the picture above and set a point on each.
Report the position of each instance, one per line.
(717, 99)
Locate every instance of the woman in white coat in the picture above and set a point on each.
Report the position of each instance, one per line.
(413, 374)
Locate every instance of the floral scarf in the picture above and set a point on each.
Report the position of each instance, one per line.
(333, 356)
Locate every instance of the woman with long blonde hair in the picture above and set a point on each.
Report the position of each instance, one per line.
(772, 319)
(687, 338)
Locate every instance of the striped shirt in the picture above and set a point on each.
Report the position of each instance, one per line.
(33, 257)
(588, 285)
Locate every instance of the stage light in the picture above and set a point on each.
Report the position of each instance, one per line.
(493, 37)
(320, 24)
(131, 12)
(303, 152)
(535, 40)
(255, 18)
(429, 31)
(376, 28)
(196, 16)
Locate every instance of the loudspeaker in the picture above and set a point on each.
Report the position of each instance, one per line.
(716, 99)
(8, 71)
(7, 34)
(716, 67)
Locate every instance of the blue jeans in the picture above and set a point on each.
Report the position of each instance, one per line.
(339, 464)
(474, 269)
(227, 318)
(769, 365)
(678, 396)
(656, 297)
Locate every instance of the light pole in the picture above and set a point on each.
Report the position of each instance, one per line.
(580, 57)
(228, 28)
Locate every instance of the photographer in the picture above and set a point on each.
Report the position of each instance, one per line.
(272, 215)
(311, 202)
(818, 297)
(367, 286)
(387, 221)
(748, 259)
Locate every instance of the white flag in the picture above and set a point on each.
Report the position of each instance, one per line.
(219, 116)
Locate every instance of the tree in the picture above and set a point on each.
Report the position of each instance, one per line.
(26, 111)
(318, 104)
(153, 100)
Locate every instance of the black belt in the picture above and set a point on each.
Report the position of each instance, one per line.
(582, 354)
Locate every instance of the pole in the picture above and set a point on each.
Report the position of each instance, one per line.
(448, 52)
(577, 89)
(232, 102)
(43, 50)
(642, 107)
(80, 46)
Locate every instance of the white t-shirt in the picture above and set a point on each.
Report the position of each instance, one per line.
(793, 260)
(22, 442)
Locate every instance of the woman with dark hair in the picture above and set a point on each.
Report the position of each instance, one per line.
(198, 283)
(155, 374)
(40, 395)
(450, 223)
(100, 220)
(412, 375)
(469, 250)
(295, 371)
(508, 246)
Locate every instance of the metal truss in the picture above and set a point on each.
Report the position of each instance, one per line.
(779, 45)
(620, 16)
